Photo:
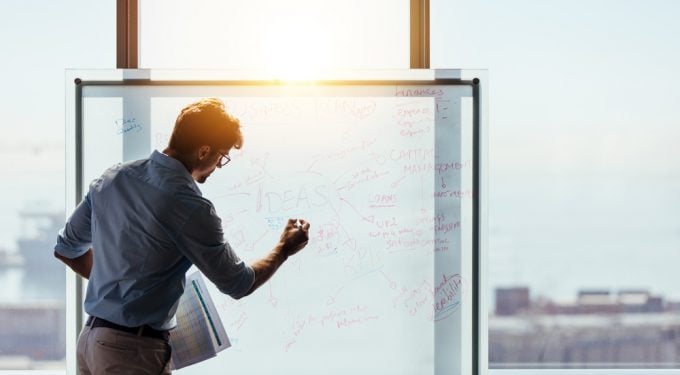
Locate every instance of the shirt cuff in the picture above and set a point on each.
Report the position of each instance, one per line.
(70, 252)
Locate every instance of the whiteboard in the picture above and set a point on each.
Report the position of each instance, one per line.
(384, 172)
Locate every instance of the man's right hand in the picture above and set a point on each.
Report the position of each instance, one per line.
(295, 236)
(293, 239)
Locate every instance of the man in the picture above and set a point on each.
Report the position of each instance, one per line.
(148, 223)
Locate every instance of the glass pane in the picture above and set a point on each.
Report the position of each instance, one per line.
(40, 39)
(283, 37)
(584, 179)
(381, 175)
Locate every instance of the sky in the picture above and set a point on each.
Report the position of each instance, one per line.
(583, 160)
(583, 101)
(40, 40)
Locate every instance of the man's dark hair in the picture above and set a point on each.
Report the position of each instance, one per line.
(205, 122)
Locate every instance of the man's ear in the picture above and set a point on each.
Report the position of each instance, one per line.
(203, 152)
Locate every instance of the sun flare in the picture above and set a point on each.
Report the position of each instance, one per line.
(298, 49)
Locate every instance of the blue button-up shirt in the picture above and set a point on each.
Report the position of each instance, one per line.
(147, 223)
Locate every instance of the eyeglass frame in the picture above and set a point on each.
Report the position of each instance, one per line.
(226, 157)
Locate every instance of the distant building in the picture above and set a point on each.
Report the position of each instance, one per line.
(640, 301)
(597, 328)
(589, 341)
(510, 301)
(595, 301)
(594, 296)
(514, 300)
(36, 330)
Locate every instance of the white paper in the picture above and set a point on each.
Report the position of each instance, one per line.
(199, 334)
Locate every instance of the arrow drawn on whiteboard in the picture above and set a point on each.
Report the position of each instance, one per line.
(251, 247)
(352, 243)
(309, 169)
(258, 203)
(273, 300)
(364, 162)
(397, 182)
(370, 219)
(331, 299)
(350, 240)
(380, 159)
(342, 175)
(393, 284)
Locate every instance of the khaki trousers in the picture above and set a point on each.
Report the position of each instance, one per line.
(108, 351)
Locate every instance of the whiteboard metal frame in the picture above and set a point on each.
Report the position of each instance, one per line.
(78, 79)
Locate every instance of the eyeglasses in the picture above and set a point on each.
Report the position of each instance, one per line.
(224, 160)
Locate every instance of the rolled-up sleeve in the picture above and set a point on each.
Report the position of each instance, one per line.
(201, 240)
(75, 238)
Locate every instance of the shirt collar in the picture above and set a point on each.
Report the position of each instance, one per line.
(176, 166)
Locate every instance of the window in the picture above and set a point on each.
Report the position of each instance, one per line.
(584, 177)
(287, 38)
(40, 39)
(584, 168)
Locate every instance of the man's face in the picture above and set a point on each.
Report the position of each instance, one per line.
(207, 164)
